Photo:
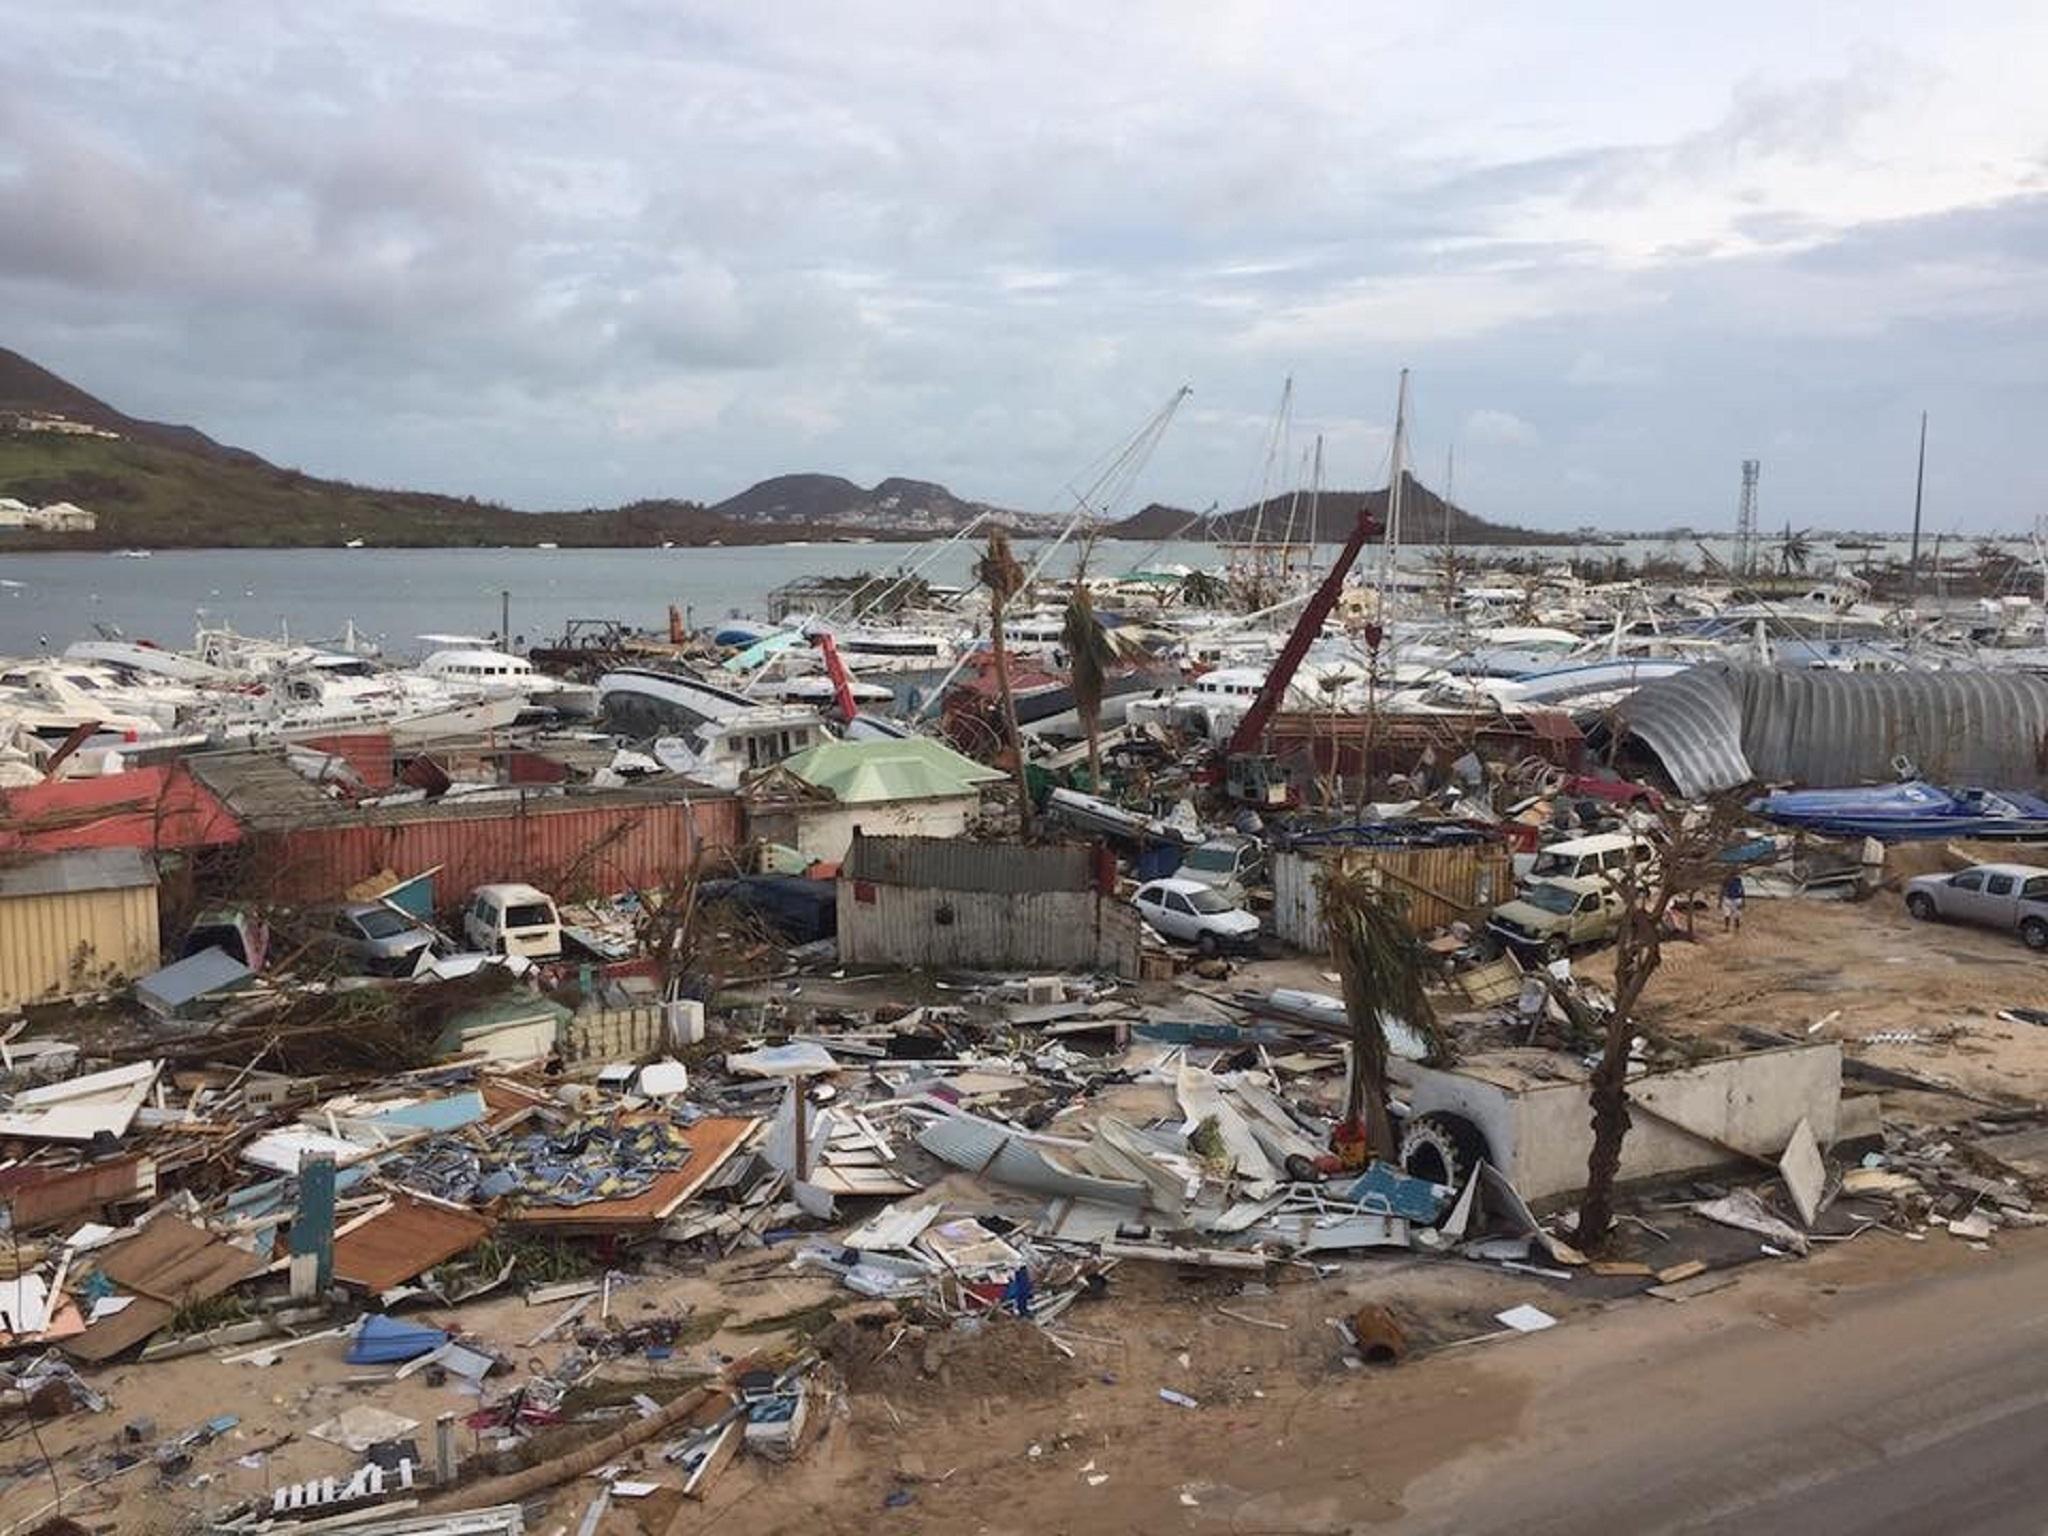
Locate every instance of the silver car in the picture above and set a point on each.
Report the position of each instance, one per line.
(2009, 896)
(378, 940)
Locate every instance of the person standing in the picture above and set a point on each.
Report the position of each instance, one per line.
(1731, 902)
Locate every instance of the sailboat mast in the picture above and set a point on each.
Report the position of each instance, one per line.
(1450, 544)
(1919, 485)
(1390, 551)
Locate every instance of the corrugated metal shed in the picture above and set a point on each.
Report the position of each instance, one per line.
(1439, 884)
(76, 922)
(1720, 726)
(949, 864)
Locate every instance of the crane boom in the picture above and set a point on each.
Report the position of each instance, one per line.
(835, 669)
(1250, 729)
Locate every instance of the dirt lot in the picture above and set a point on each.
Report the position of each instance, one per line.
(1832, 970)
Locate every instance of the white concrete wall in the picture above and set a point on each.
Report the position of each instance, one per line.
(826, 831)
(1681, 1121)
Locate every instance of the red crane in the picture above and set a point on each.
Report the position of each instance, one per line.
(1252, 728)
(842, 684)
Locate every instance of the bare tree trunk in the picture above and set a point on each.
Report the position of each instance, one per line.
(1639, 950)
(1091, 721)
(1002, 655)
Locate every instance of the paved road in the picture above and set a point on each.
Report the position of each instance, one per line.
(1912, 1407)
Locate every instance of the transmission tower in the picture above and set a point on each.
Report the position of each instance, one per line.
(1745, 521)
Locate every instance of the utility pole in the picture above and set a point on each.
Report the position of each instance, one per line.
(1745, 521)
(1919, 486)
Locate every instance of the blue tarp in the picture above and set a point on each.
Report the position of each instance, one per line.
(386, 1341)
(1386, 1188)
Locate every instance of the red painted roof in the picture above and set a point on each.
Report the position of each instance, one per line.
(159, 807)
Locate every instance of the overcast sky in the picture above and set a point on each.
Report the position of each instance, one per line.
(567, 254)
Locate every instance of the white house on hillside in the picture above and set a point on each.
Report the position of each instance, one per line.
(63, 517)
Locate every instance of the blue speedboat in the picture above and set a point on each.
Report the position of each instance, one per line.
(1894, 813)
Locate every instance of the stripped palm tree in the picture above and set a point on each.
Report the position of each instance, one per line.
(1384, 969)
(1089, 658)
(1203, 589)
(999, 571)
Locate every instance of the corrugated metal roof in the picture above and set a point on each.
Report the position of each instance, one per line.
(265, 792)
(1722, 725)
(84, 869)
(950, 864)
(864, 772)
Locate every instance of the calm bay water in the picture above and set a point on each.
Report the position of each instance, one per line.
(395, 595)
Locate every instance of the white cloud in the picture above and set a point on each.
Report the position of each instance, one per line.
(1499, 429)
(572, 252)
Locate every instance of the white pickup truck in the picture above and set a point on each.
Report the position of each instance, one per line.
(2009, 896)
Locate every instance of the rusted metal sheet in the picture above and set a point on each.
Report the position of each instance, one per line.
(979, 930)
(568, 849)
(1438, 885)
(409, 1238)
(1397, 743)
(36, 1198)
(951, 864)
(367, 753)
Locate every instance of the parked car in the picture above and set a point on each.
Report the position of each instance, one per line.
(1554, 917)
(2009, 896)
(1197, 914)
(1601, 856)
(1230, 864)
(513, 920)
(377, 940)
(1615, 791)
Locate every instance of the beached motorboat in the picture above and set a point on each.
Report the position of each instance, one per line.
(1909, 811)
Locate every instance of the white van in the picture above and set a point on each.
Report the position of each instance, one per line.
(1593, 858)
(513, 920)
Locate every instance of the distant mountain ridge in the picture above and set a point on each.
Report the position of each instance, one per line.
(29, 389)
(813, 500)
(158, 485)
(1328, 518)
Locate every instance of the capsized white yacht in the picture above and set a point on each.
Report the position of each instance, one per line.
(470, 662)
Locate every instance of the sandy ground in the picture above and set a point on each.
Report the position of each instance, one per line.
(1866, 970)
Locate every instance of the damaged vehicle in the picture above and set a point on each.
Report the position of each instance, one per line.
(1198, 914)
(1554, 917)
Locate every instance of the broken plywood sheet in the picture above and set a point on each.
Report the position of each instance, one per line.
(2024, 1152)
(168, 1264)
(1019, 1160)
(1806, 1176)
(407, 1239)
